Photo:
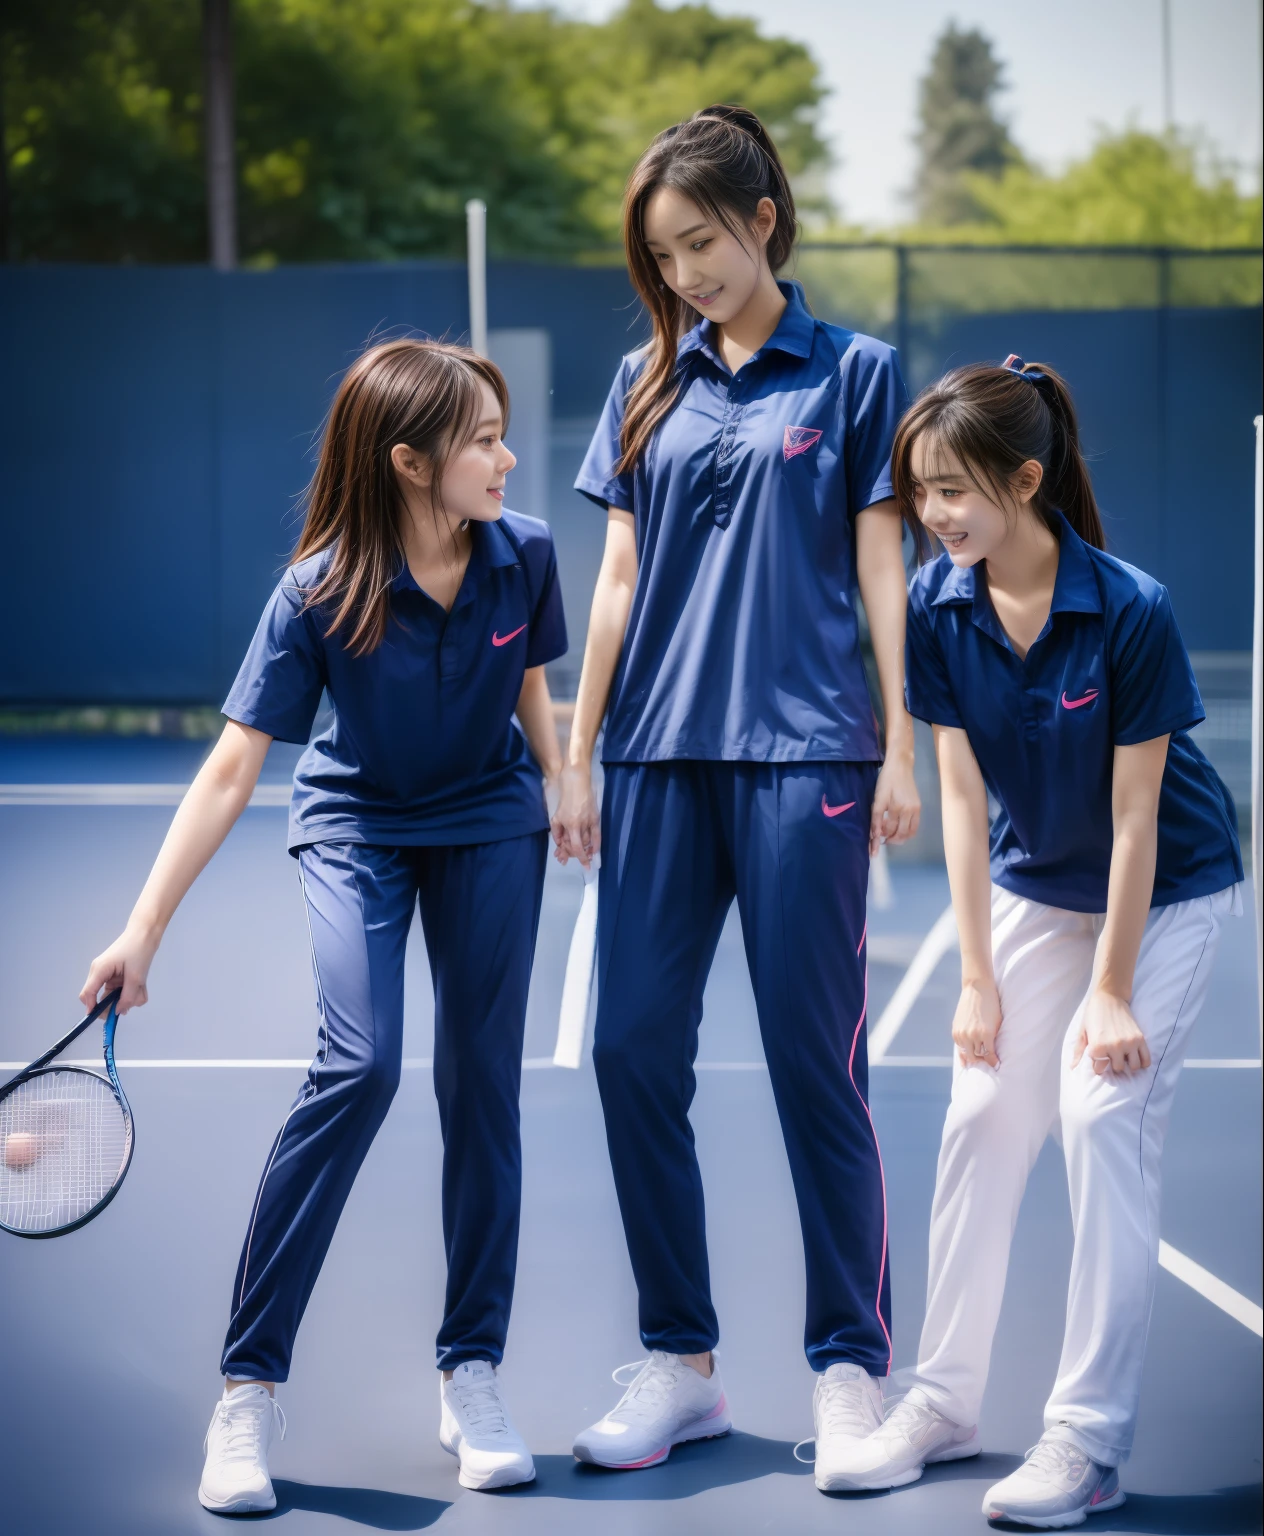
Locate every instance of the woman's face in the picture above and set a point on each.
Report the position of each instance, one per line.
(966, 521)
(699, 259)
(473, 486)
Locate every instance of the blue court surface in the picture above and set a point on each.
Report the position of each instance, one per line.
(112, 1335)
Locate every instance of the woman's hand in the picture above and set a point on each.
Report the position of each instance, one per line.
(1111, 1036)
(975, 1024)
(576, 824)
(124, 965)
(897, 807)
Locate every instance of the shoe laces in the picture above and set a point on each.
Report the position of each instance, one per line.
(843, 1405)
(481, 1405)
(1058, 1458)
(242, 1425)
(653, 1383)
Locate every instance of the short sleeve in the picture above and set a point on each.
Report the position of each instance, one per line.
(546, 638)
(1153, 690)
(875, 399)
(597, 478)
(927, 692)
(279, 685)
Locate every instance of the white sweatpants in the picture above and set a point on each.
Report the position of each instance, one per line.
(1112, 1130)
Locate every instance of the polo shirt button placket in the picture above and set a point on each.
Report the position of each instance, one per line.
(724, 463)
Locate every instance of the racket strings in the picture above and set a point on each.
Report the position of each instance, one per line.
(64, 1143)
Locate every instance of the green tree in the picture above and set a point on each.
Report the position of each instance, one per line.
(1133, 189)
(649, 67)
(364, 125)
(959, 132)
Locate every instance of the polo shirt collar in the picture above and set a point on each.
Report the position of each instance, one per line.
(1074, 587)
(794, 333)
(491, 549)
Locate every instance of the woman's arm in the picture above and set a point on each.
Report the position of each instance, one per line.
(577, 824)
(535, 716)
(214, 800)
(897, 807)
(964, 795)
(1109, 1032)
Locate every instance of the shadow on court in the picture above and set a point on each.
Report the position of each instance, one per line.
(1226, 1512)
(371, 1507)
(694, 1468)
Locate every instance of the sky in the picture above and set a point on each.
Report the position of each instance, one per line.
(1071, 67)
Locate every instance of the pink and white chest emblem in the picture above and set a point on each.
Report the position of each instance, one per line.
(798, 440)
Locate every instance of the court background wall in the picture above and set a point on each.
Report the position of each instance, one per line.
(157, 426)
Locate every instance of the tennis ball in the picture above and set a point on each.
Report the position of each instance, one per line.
(19, 1149)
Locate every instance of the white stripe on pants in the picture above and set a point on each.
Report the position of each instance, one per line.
(1113, 1131)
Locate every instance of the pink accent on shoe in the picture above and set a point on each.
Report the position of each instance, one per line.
(650, 1461)
(882, 1268)
(715, 1413)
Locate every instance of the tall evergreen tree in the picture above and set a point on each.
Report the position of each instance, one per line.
(959, 130)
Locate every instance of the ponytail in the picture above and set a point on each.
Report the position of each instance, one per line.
(1068, 485)
(723, 160)
(993, 420)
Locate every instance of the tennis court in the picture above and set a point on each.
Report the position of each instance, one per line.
(112, 1334)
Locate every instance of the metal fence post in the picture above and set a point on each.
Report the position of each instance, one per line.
(218, 134)
(901, 307)
(476, 261)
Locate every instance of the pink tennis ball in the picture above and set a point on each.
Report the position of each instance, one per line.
(19, 1149)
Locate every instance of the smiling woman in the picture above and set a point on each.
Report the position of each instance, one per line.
(742, 462)
(1089, 910)
(426, 613)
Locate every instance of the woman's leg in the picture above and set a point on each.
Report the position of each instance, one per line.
(480, 908)
(359, 903)
(665, 888)
(1113, 1132)
(996, 1124)
(801, 849)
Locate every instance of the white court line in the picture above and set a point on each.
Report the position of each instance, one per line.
(239, 1063)
(1239, 1307)
(531, 1063)
(941, 938)
(1214, 1290)
(123, 794)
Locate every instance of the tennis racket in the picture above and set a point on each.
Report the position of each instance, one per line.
(65, 1138)
(572, 1023)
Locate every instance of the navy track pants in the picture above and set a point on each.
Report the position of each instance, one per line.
(679, 841)
(480, 908)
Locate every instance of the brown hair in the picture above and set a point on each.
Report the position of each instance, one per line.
(993, 419)
(423, 393)
(723, 160)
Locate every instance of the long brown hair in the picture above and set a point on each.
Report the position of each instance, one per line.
(422, 393)
(723, 160)
(993, 419)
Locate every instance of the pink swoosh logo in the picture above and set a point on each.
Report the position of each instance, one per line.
(835, 810)
(1075, 703)
(505, 639)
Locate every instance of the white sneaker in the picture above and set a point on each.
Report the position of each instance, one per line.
(475, 1426)
(667, 1403)
(846, 1406)
(1058, 1485)
(898, 1451)
(235, 1478)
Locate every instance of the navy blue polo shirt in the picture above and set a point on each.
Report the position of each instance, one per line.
(422, 747)
(742, 641)
(1108, 669)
